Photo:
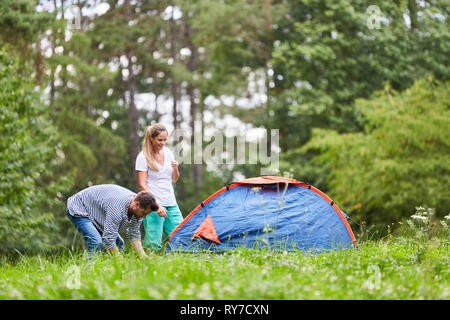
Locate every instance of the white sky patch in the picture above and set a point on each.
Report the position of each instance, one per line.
(177, 13)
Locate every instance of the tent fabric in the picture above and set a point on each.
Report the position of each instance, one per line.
(207, 230)
(264, 212)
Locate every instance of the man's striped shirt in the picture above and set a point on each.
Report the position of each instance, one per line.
(107, 207)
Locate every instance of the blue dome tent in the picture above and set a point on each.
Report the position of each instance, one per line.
(264, 212)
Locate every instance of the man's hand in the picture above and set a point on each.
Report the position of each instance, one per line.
(162, 212)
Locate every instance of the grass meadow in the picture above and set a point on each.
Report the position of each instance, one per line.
(397, 269)
(411, 265)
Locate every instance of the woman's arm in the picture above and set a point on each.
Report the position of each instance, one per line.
(142, 177)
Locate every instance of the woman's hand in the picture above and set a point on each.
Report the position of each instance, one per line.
(175, 172)
(162, 212)
(174, 165)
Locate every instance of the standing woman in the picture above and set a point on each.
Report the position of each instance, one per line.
(157, 169)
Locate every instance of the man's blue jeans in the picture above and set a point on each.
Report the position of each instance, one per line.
(91, 236)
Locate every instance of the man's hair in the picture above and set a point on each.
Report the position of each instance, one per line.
(146, 200)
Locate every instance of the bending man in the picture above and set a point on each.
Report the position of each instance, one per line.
(101, 212)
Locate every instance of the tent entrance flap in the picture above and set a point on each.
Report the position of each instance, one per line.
(207, 230)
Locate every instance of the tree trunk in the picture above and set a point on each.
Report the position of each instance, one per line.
(268, 48)
(132, 112)
(39, 63)
(174, 84)
(52, 73)
(52, 68)
(268, 15)
(412, 7)
(192, 66)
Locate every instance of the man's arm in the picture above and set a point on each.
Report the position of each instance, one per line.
(111, 230)
(134, 235)
(137, 246)
(114, 251)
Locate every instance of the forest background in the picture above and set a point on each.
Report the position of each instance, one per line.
(358, 90)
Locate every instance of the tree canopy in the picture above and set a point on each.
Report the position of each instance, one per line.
(357, 91)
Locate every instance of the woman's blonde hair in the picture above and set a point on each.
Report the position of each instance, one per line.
(152, 132)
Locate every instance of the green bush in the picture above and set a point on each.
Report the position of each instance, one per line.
(401, 160)
(29, 151)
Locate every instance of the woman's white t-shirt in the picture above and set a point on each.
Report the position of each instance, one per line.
(159, 182)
